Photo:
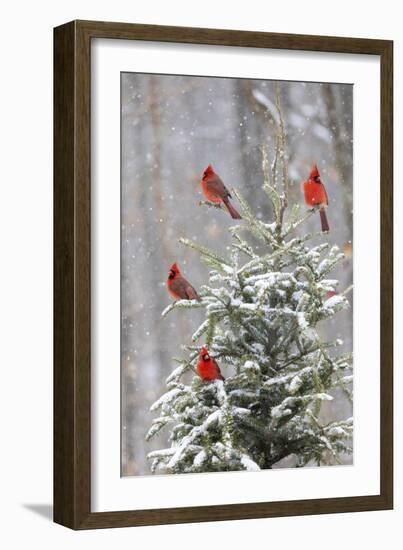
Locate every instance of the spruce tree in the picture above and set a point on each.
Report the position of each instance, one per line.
(263, 307)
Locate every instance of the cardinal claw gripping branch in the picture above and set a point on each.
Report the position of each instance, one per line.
(207, 367)
(178, 287)
(215, 191)
(315, 195)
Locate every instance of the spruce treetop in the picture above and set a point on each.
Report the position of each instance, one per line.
(263, 309)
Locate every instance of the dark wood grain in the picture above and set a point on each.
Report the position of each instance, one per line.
(386, 215)
(72, 262)
(64, 364)
(72, 274)
(220, 37)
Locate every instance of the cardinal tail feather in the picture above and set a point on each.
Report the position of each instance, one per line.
(323, 220)
(234, 213)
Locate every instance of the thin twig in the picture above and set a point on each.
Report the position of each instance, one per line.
(283, 143)
(211, 204)
(274, 164)
(347, 290)
(299, 222)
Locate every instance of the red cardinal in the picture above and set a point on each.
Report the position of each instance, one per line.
(215, 191)
(178, 287)
(207, 367)
(315, 195)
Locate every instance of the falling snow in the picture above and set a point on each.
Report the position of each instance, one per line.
(172, 127)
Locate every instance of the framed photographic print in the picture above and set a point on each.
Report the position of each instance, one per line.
(223, 275)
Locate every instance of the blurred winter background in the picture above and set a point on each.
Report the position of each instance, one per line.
(172, 128)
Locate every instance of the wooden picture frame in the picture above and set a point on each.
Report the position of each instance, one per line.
(72, 272)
